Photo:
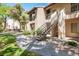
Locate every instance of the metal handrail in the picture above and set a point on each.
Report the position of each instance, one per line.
(53, 24)
(43, 26)
(50, 25)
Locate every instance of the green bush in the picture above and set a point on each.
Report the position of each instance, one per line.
(9, 50)
(26, 32)
(9, 47)
(7, 38)
(13, 50)
(71, 43)
(33, 32)
(39, 31)
(1, 30)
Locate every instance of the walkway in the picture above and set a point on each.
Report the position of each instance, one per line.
(44, 48)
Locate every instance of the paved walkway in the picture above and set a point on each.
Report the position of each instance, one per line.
(44, 48)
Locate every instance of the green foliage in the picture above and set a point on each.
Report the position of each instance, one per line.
(16, 12)
(7, 38)
(9, 50)
(13, 50)
(27, 32)
(19, 14)
(1, 29)
(71, 43)
(4, 9)
(39, 31)
(4, 13)
(33, 32)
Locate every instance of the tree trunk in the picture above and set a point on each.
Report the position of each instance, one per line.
(20, 25)
(5, 23)
(25, 26)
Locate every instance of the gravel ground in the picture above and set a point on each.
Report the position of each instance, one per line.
(51, 47)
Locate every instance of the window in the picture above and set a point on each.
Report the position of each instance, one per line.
(48, 14)
(33, 15)
(74, 27)
(74, 7)
(48, 11)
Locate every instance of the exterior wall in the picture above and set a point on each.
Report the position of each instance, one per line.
(60, 6)
(28, 25)
(11, 24)
(40, 18)
(64, 10)
(68, 27)
(65, 13)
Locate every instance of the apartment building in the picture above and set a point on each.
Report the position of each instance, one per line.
(12, 25)
(61, 18)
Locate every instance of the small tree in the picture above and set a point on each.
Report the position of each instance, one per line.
(18, 14)
(24, 20)
(4, 12)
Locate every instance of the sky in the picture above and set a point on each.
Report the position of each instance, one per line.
(29, 6)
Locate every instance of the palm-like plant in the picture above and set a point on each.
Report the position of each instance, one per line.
(18, 14)
(24, 20)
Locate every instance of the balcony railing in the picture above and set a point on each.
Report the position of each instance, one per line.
(72, 15)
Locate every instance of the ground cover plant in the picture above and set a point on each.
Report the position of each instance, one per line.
(9, 47)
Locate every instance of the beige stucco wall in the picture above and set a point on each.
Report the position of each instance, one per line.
(40, 18)
(64, 9)
(59, 6)
(65, 13)
(28, 25)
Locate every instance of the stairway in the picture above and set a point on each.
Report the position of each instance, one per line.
(45, 30)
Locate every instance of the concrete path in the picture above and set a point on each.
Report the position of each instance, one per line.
(44, 48)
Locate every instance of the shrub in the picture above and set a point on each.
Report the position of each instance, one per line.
(7, 38)
(13, 50)
(1, 30)
(39, 31)
(33, 32)
(10, 48)
(27, 32)
(71, 43)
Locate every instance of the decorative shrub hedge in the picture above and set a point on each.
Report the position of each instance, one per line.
(71, 43)
(26, 32)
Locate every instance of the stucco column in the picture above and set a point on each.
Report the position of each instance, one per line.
(61, 25)
(40, 18)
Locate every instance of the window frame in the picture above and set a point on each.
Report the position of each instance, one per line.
(74, 26)
(74, 7)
